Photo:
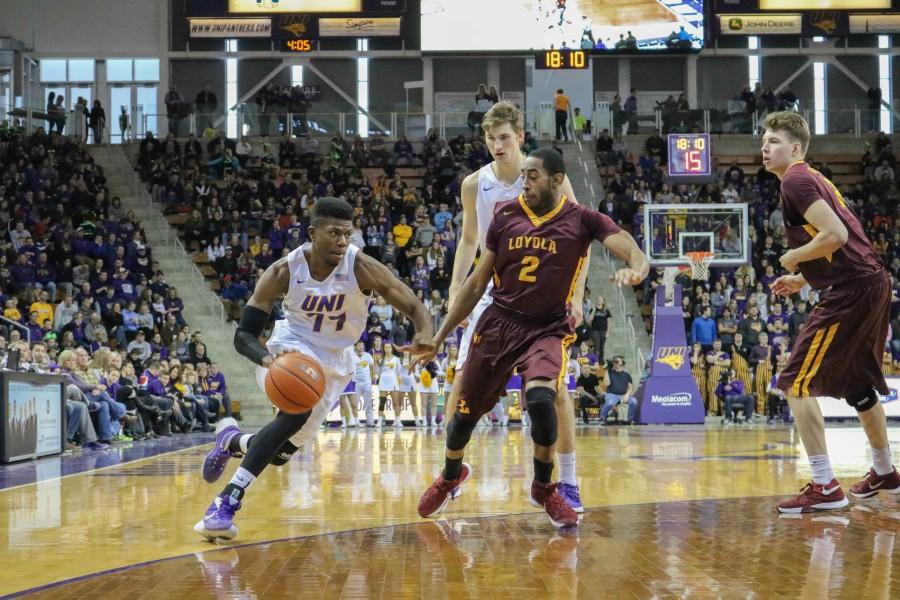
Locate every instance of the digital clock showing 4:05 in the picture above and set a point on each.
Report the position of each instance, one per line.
(689, 155)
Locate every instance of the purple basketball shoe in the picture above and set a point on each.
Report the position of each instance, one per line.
(215, 461)
(570, 494)
(218, 522)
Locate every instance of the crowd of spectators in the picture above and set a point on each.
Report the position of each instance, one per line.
(83, 297)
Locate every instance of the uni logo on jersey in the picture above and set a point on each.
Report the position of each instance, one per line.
(671, 356)
(313, 303)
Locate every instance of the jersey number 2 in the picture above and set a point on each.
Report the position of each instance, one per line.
(319, 317)
(529, 266)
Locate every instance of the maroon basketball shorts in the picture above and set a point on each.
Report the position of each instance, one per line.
(840, 347)
(502, 343)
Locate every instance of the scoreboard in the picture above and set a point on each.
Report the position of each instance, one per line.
(689, 156)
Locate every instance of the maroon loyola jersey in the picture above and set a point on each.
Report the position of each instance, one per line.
(538, 258)
(801, 187)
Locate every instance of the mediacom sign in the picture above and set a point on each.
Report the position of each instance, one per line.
(762, 24)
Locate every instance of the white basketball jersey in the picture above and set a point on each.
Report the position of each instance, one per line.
(329, 315)
(490, 193)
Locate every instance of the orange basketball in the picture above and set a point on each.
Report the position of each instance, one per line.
(295, 382)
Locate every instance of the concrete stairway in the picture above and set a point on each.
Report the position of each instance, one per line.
(202, 309)
(626, 336)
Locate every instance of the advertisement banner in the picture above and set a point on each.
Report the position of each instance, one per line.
(875, 24)
(760, 24)
(230, 28)
(360, 27)
(832, 408)
(34, 425)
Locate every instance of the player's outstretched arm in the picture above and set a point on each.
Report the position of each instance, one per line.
(467, 244)
(623, 245)
(468, 296)
(832, 234)
(271, 286)
(374, 276)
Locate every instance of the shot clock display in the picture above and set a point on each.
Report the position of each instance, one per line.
(689, 155)
(297, 45)
(562, 59)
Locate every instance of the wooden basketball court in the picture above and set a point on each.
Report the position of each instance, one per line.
(675, 511)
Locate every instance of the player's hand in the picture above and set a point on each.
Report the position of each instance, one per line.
(787, 285)
(789, 261)
(626, 276)
(268, 360)
(422, 350)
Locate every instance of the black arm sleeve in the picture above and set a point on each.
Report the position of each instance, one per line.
(246, 338)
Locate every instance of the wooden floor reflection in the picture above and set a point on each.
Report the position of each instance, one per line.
(672, 511)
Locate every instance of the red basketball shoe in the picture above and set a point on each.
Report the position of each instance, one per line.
(437, 495)
(873, 483)
(560, 513)
(816, 496)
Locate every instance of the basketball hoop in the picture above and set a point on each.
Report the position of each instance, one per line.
(699, 264)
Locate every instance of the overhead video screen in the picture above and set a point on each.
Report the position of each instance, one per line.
(294, 6)
(823, 4)
(496, 25)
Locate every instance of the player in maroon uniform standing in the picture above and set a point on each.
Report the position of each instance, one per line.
(535, 247)
(838, 352)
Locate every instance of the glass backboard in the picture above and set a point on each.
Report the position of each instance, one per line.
(670, 231)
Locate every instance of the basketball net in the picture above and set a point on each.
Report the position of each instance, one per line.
(699, 267)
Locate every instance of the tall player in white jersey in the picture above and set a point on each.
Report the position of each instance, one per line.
(497, 182)
(326, 286)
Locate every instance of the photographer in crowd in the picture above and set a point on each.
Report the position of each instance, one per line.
(731, 389)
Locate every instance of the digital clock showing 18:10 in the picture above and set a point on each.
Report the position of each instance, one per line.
(689, 155)
(561, 59)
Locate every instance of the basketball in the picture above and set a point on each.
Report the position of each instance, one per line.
(294, 383)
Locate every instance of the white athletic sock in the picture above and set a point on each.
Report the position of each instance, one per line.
(881, 460)
(566, 468)
(244, 441)
(821, 468)
(242, 478)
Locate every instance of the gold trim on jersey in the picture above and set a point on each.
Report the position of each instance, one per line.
(813, 360)
(536, 220)
(561, 378)
(575, 279)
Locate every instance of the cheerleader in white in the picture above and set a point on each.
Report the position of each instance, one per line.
(389, 386)
(408, 388)
(363, 375)
(448, 366)
(427, 386)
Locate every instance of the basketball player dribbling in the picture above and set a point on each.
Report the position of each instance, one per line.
(533, 250)
(327, 285)
(499, 181)
(839, 349)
